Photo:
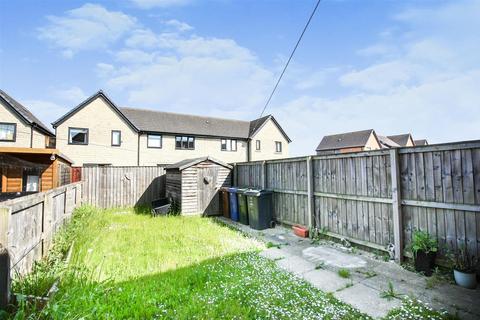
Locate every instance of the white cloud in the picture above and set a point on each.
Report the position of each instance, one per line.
(46, 111)
(424, 80)
(148, 4)
(73, 95)
(178, 25)
(89, 27)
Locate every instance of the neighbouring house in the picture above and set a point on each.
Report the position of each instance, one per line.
(20, 128)
(387, 143)
(30, 170)
(97, 132)
(349, 142)
(421, 142)
(403, 140)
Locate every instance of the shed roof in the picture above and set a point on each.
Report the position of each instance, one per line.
(187, 163)
(345, 140)
(24, 113)
(401, 139)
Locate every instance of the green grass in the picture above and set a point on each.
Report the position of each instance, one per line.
(344, 273)
(127, 265)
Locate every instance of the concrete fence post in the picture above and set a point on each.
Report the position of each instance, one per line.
(311, 198)
(5, 213)
(235, 175)
(396, 204)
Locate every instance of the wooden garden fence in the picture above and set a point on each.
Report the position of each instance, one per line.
(380, 197)
(112, 186)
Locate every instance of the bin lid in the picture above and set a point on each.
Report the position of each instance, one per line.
(257, 193)
(242, 190)
(232, 189)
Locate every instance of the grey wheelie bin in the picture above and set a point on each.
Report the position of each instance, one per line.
(260, 208)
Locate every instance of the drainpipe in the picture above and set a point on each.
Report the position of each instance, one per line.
(31, 136)
(248, 149)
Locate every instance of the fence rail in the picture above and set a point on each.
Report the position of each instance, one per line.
(108, 187)
(379, 197)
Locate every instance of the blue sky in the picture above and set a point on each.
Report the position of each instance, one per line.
(395, 66)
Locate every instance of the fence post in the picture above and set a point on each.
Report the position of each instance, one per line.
(235, 175)
(396, 204)
(264, 175)
(4, 258)
(311, 199)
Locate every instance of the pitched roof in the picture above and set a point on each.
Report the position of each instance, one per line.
(401, 139)
(345, 140)
(176, 123)
(421, 142)
(98, 94)
(24, 113)
(187, 163)
(168, 122)
(387, 142)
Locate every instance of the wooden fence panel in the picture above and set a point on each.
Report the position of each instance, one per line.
(438, 191)
(32, 221)
(108, 187)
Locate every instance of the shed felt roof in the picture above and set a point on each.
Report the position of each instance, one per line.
(345, 140)
(401, 139)
(24, 113)
(187, 163)
(421, 142)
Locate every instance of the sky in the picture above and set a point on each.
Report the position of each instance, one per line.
(393, 66)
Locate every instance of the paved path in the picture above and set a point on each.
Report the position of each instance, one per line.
(319, 264)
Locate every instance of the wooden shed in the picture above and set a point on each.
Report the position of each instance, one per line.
(193, 184)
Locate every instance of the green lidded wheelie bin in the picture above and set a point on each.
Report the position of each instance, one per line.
(242, 206)
(224, 202)
(260, 208)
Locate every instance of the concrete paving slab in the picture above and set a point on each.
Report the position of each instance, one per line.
(333, 257)
(325, 280)
(367, 300)
(275, 254)
(296, 265)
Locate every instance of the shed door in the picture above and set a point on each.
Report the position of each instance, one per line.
(208, 202)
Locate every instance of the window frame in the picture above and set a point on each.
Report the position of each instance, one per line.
(187, 141)
(258, 145)
(278, 143)
(119, 138)
(70, 141)
(156, 135)
(14, 139)
(228, 146)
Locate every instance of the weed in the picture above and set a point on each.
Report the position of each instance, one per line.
(344, 273)
(390, 293)
(368, 274)
(320, 265)
(270, 244)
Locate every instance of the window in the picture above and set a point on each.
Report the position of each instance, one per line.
(257, 145)
(278, 146)
(116, 138)
(77, 136)
(184, 142)
(8, 131)
(154, 141)
(229, 145)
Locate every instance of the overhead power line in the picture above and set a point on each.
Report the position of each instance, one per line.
(290, 58)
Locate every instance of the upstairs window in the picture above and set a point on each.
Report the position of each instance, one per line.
(257, 145)
(278, 146)
(8, 131)
(116, 138)
(184, 142)
(154, 141)
(229, 145)
(77, 136)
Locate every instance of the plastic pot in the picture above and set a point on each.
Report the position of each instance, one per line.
(425, 262)
(466, 280)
